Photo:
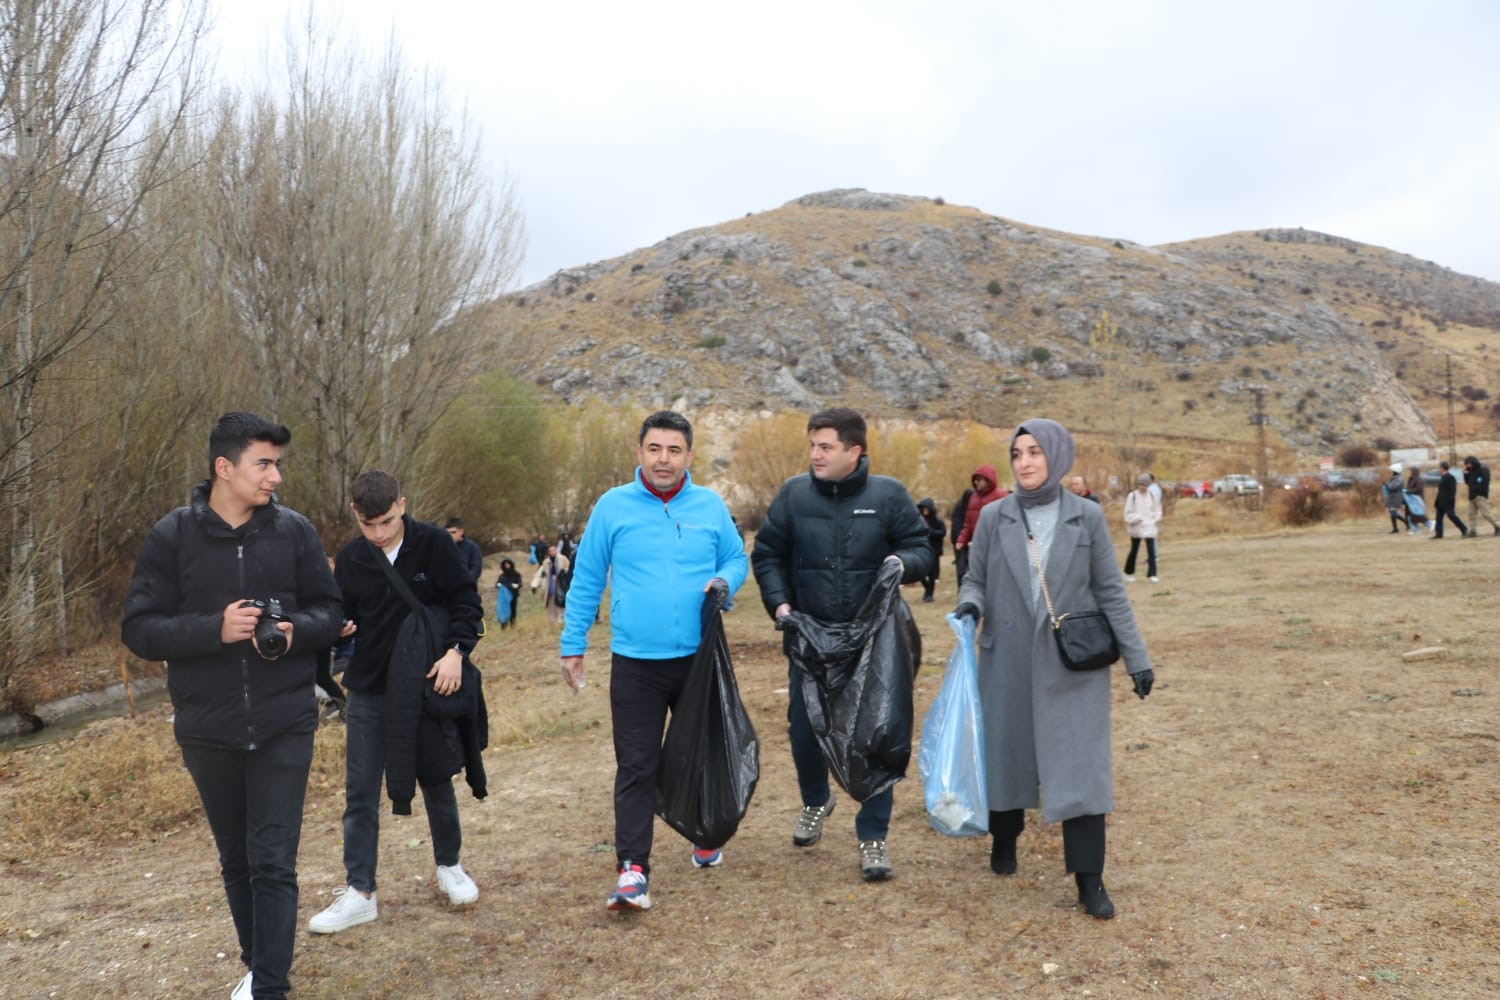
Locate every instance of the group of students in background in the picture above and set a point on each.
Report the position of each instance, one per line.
(1142, 512)
(1405, 500)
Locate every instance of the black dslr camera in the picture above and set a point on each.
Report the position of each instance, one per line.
(269, 640)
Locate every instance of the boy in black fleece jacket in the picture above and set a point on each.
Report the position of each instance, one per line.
(426, 559)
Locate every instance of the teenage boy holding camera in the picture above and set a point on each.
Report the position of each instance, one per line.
(244, 718)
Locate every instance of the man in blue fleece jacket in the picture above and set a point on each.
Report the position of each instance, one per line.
(663, 545)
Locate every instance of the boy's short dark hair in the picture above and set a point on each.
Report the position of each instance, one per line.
(374, 493)
(453, 522)
(848, 423)
(667, 420)
(233, 432)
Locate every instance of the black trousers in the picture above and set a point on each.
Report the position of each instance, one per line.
(253, 802)
(1083, 838)
(641, 693)
(1135, 546)
(1446, 510)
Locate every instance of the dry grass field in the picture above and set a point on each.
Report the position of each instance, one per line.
(1301, 813)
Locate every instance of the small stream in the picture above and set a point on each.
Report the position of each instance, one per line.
(68, 720)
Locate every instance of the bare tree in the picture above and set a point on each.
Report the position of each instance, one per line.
(359, 233)
(92, 95)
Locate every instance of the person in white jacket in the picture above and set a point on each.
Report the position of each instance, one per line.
(1142, 515)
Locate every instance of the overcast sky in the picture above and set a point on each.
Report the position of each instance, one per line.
(623, 123)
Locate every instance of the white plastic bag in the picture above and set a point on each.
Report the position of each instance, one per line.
(951, 755)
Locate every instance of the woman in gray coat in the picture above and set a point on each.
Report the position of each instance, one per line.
(1047, 727)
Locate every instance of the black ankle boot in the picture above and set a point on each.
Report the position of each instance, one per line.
(1003, 856)
(1092, 897)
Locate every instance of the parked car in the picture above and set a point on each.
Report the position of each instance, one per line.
(1431, 477)
(1200, 488)
(1335, 480)
(1237, 484)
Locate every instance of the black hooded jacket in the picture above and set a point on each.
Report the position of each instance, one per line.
(1476, 477)
(822, 542)
(936, 529)
(191, 566)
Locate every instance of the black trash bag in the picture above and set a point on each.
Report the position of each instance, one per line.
(856, 682)
(710, 759)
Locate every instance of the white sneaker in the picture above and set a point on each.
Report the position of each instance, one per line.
(350, 909)
(242, 991)
(1130, 579)
(453, 880)
(1154, 579)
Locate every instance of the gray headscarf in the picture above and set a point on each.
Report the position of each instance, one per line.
(1057, 444)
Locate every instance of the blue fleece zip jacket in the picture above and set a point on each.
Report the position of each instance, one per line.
(657, 558)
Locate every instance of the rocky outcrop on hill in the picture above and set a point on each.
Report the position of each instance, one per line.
(912, 307)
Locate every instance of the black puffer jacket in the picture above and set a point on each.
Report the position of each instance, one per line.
(190, 568)
(823, 542)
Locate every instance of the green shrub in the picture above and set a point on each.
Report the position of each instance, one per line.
(714, 340)
(1041, 355)
(993, 287)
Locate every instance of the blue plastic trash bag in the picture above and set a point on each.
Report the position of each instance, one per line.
(503, 598)
(951, 754)
(1415, 506)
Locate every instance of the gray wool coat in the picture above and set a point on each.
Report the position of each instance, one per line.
(1046, 726)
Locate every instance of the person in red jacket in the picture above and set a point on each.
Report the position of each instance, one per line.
(986, 491)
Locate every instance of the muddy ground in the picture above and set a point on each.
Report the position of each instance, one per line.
(1301, 812)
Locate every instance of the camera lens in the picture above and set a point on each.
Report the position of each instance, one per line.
(269, 639)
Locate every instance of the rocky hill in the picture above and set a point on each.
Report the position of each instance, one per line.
(915, 308)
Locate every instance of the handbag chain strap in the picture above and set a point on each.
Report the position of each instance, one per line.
(1036, 556)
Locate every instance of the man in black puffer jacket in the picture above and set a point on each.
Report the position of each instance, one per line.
(818, 552)
(245, 720)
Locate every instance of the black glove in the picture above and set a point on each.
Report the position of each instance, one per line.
(1143, 682)
(718, 593)
(968, 610)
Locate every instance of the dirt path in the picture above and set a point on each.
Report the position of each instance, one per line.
(1300, 813)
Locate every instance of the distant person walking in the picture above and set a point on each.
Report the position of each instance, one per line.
(936, 531)
(1477, 478)
(1447, 499)
(1142, 515)
(1079, 487)
(468, 549)
(955, 528)
(555, 573)
(1395, 501)
(986, 483)
(510, 582)
(1416, 502)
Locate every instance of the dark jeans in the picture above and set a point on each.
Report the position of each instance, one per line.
(253, 801)
(1135, 546)
(641, 692)
(961, 564)
(1083, 838)
(364, 766)
(873, 821)
(1446, 510)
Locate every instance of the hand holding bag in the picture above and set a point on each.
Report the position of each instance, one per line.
(1084, 639)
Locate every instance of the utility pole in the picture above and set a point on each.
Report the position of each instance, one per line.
(1258, 418)
(1448, 391)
